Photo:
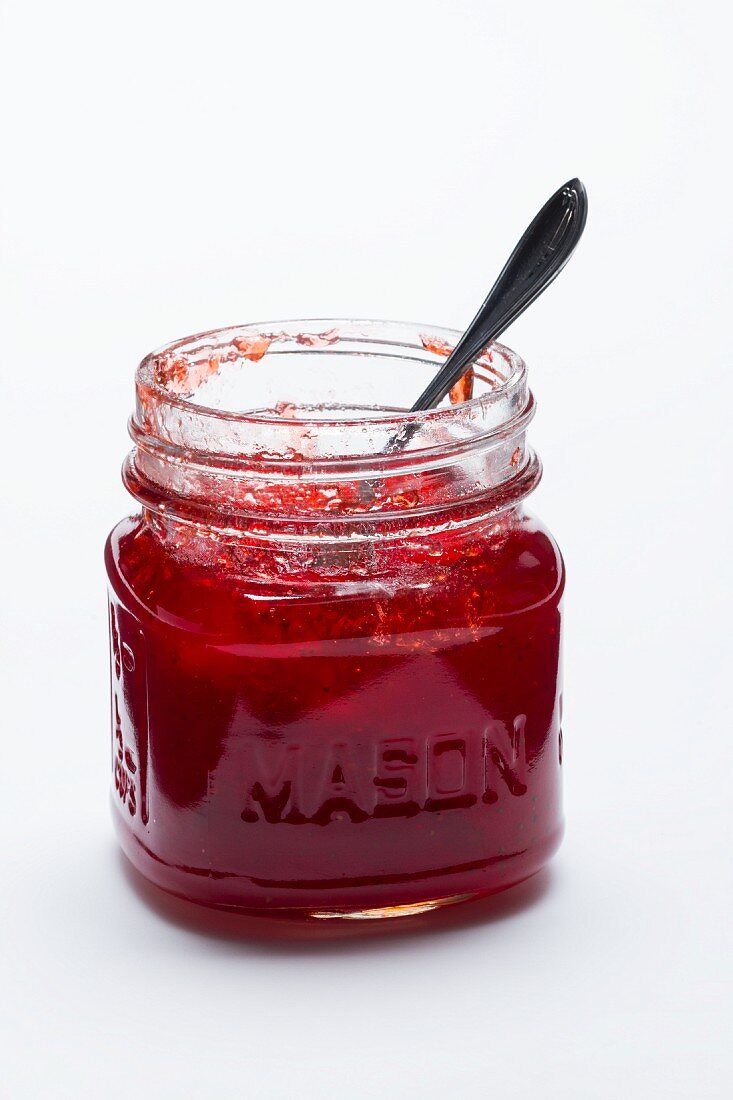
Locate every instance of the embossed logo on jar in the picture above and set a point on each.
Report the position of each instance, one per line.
(129, 711)
(395, 777)
(124, 767)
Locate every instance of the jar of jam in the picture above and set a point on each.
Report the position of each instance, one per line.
(335, 640)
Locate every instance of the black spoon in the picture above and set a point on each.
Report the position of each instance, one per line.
(544, 249)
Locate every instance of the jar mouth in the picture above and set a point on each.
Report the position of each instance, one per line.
(281, 418)
(180, 373)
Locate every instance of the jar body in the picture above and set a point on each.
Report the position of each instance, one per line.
(366, 747)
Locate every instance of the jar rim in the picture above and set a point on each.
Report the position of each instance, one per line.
(294, 462)
(350, 329)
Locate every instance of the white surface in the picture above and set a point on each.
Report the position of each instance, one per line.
(171, 167)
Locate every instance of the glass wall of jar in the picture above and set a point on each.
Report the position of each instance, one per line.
(335, 640)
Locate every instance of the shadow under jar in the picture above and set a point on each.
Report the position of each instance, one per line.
(335, 665)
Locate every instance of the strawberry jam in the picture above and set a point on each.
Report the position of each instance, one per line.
(335, 663)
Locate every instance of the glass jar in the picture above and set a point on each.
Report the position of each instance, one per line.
(335, 640)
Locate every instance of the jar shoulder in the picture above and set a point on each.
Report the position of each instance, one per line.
(503, 572)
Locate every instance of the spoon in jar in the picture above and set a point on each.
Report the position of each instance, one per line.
(545, 247)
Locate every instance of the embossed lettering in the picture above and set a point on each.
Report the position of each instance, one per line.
(277, 792)
(399, 783)
(339, 794)
(505, 756)
(396, 777)
(129, 711)
(451, 785)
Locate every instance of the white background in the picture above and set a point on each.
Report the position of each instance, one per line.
(169, 167)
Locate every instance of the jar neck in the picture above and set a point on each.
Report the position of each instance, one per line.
(344, 473)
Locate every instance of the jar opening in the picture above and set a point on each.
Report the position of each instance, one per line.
(296, 418)
(323, 373)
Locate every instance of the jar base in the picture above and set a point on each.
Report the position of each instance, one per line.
(205, 893)
(305, 927)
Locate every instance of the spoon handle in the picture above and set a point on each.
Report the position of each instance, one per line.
(545, 247)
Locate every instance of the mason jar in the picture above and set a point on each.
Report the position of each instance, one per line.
(335, 629)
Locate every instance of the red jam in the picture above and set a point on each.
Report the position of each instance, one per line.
(365, 726)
